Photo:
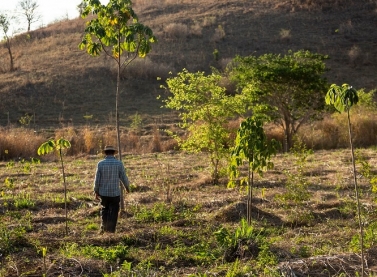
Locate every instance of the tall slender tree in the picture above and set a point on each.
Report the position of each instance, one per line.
(115, 30)
(343, 98)
(58, 145)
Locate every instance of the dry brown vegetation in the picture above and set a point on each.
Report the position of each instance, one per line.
(58, 84)
(172, 214)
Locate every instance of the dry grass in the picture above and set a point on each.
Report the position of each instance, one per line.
(22, 143)
(59, 84)
(329, 133)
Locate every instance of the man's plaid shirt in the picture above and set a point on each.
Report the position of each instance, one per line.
(109, 172)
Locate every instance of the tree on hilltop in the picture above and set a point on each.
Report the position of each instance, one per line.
(4, 27)
(29, 10)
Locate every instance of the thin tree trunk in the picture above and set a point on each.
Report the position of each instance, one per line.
(357, 197)
(65, 193)
(10, 54)
(250, 195)
(117, 124)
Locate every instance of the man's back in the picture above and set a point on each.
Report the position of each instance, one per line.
(109, 172)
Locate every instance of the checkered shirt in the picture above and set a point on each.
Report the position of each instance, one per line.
(108, 174)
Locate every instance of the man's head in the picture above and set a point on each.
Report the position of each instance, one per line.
(109, 150)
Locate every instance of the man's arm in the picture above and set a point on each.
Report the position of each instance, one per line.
(96, 183)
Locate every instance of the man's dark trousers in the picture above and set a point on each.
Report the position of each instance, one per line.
(109, 213)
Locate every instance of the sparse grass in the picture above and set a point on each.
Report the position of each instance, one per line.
(171, 216)
(199, 231)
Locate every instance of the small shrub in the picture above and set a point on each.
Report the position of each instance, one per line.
(196, 30)
(242, 243)
(285, 35)
(155, 144)
(176, 30)
(354, 54)
(209, 21)
(219, 33)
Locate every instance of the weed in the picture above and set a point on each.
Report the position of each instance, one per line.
(9, 182)
(235, 270)
(369, 240)
(241, 243)
(10, 238)
(23, 201)
(159, 213)
(110, 254)
(92, 226)
(43, 251)
(10, 164)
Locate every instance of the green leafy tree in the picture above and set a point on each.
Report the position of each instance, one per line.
(58, 145)
(116, 31)
(343, 98)
(4, 27)
(291, 86)
(253, 146)
(205, 109)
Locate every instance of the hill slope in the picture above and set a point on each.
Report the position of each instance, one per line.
(59, 84)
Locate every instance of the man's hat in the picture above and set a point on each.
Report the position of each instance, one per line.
(109, 148)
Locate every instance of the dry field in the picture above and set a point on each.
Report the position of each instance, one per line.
(174, 216)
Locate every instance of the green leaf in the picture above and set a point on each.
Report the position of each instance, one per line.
(51, 145)
(341, 97)
(46, 147)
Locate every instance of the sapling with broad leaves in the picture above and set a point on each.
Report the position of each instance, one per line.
(116, 31)
(253, 146)
(205, 109)
(58, 145)
(343, 98)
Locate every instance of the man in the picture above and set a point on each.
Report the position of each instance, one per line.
(106, 188)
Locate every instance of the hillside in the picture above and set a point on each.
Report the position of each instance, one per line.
(58, 84)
